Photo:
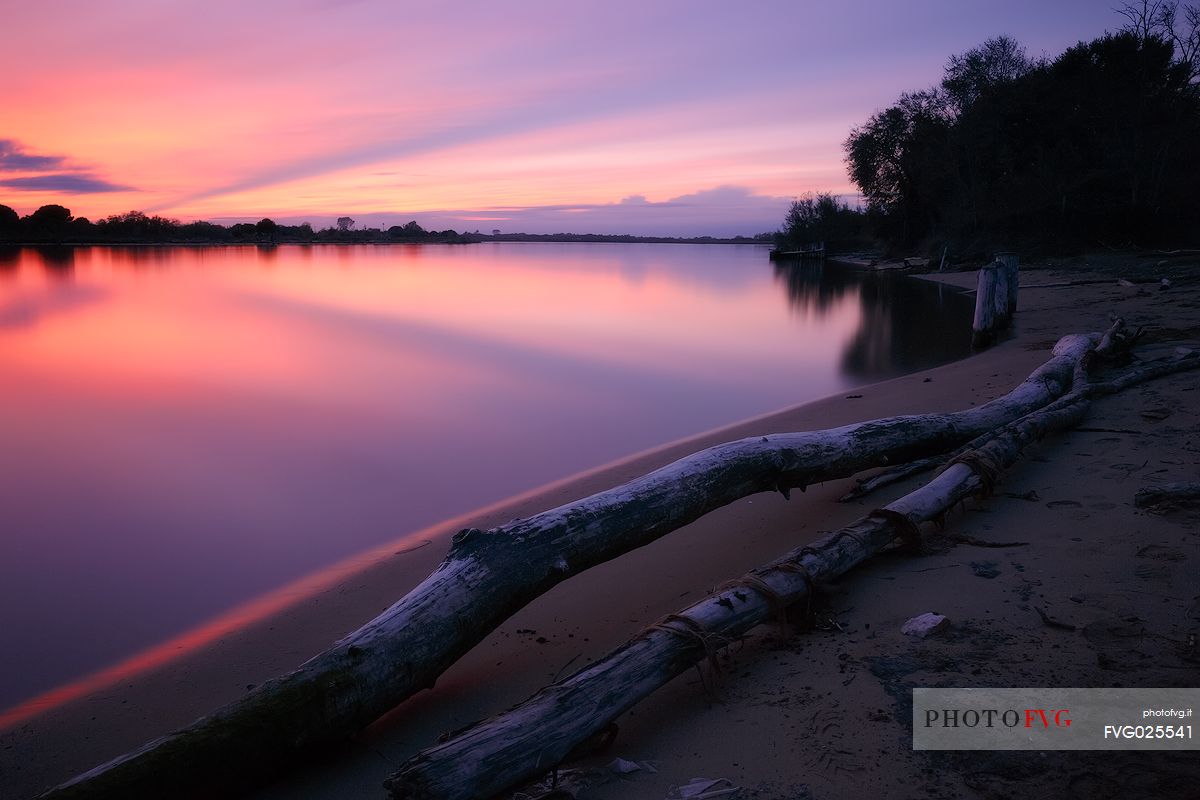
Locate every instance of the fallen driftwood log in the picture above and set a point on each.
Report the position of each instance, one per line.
(1113, 340)
(535, 736)
(488, 576)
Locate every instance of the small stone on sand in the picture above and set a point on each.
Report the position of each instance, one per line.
(925, 625)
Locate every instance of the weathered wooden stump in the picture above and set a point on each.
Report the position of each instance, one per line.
(1011, 263)
(984, 326)
(995, 299)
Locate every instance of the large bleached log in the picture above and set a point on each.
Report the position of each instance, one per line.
(1113, 340)
(535, 736)
(489, 575)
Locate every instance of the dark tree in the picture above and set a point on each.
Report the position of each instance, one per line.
(10, 223)
(410, 230)
(996, 62)
(137, 226)
(894, 159)
(821, 218)
(204, 232)
(82, 229)
(244, 232)
(50, 216)
(49, 223)
(1172, 21)
(267, 229)
(1098, 145)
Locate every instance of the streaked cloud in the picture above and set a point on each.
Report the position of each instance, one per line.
(66, 183)
(55, 173)
(14, 158)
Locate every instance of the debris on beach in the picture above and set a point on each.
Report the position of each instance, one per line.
(622, 766)
(985, 569)
(1050, 622)
(925, 625)
(563, 784)
(704, 789)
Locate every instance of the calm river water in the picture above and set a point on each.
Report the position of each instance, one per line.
(184, 429)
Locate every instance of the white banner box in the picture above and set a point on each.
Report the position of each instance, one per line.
(1056, 719)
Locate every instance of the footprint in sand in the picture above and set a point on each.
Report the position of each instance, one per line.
(825, 755)
(1152, 572)
(1160, 553)
(1064, 504)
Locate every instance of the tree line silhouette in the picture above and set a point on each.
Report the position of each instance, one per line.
(54, 224)
(1097, 146)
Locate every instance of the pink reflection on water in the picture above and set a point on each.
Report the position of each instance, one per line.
(188, 429)
(201, 636)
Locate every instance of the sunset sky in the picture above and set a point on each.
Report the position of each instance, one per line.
(679, 118)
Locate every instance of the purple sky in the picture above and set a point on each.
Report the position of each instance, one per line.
(681, 118)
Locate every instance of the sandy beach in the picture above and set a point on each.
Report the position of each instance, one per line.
(818, 714)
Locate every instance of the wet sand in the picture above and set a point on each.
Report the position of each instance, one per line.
(817, 714)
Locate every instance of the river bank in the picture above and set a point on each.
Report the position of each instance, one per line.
(819, 714)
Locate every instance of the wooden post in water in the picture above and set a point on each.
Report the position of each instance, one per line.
(1010, 262)
(984, 325)
(995, 299)
(1001, 316)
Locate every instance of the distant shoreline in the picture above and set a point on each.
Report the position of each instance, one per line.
(568, 238)
(55, 225)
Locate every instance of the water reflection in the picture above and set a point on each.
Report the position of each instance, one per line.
(10, 257)
(814, 286)
(24, 310)
(57, 260)
(190, 428)
(906, 325)
(143, 257)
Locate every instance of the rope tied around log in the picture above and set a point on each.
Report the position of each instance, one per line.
(796, 566)
(985, 467)
(751, 581)
(693, 631)
(907, 531)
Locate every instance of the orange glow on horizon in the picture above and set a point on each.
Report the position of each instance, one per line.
(197, 638)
